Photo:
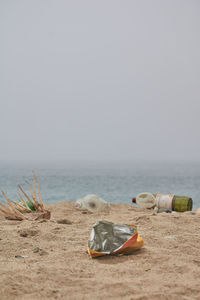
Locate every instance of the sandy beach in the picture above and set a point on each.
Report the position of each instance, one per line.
(48, 259)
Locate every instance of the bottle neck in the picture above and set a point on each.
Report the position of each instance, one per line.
(134, 200)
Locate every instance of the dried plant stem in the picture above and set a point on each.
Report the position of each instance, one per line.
(21, 198)
(19, 206)
(34, 189)
(5, 208)
(15, 212)
(8, 200)
(40, 196)
(33, 195)
(27, 197)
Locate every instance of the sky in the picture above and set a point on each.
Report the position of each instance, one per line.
(99, 80)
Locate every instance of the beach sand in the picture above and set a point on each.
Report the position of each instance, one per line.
(48, 259)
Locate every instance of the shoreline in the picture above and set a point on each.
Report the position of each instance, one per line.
(49, 260)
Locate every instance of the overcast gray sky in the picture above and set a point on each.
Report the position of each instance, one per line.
(100, 80)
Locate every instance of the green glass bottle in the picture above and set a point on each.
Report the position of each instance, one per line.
(173, 202)
(181, 203)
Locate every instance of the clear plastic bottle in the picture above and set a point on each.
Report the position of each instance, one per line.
(92, 203)
(145, 200)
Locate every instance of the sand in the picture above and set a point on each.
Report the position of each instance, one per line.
(48, 260)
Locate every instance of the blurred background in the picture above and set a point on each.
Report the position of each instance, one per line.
(100, 97)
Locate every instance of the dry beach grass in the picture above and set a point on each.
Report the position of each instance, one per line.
(47, 259)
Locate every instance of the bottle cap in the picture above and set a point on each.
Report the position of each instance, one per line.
(134, 200)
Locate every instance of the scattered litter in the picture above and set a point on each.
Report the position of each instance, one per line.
(164, 201)
(92, 203)
(108, 238)
(26, 208)
(145, 200)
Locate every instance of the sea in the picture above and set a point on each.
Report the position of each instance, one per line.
(115, 182)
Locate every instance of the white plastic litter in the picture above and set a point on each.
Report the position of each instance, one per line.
(146, 200)
(92, 203)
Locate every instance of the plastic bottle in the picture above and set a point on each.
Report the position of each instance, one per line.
(29, 204)
(92, 203)
(146, 200)
(170, 202)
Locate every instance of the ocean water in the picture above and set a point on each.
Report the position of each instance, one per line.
(114, 182)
